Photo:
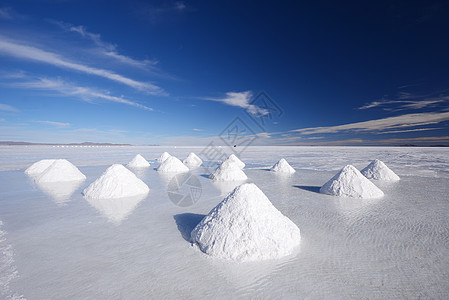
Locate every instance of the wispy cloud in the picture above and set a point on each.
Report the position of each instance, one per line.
(84, 93)
(407, 100)
(197, 129)
(53, 123)
(6, 13)
(22, 51)
(241, 99)
(9, 108)
(390, 123)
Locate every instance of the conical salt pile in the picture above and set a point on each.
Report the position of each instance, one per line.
(349, 182)
(61, 170)
(235, 160)
(138, 162)
(282, 166)
(163, 157)
(116, 182)
(378, 170)
(172, 165)
(39, 167)
(246, 226)
(228, 171)
(192, 161)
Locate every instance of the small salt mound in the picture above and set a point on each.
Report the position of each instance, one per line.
(61, 170)
(234, 159)
(163, 157)
(138, 162)
(349, 182)
(378, 170)
(39, 167)
(246, 226)
(116, 182)
(192, 161)
(282, 166)
(172, 165)
(228, 171)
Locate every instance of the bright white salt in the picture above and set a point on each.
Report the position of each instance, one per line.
(235, 160)
(39, 167)
(138, 162)
(282, 166)
(172, 165)
(163, 157)
(379, 171)
(349, 182)
(228, 171)
(192, 161)
(116, 182)
(246, 226)
(61, 170)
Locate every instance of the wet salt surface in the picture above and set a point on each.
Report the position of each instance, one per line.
(393, 247)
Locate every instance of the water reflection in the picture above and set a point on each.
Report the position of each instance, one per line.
(225, 187)
(60, 192)
(116, 210)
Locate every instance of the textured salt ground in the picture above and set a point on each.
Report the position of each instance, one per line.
(393, 247)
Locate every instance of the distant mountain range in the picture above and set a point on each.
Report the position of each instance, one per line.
(11, 143)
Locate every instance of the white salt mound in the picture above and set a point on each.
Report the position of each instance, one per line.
(172, 165)
(192, 161)
(282, 166)
(228, 171)
(163, 157)
(61, 170)
(379, 171)
(116, 182)
(39, 167)
(234, 159)
(138, 162)
(349, 182)
(245, 226)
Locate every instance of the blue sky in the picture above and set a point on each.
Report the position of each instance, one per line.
(180, 72)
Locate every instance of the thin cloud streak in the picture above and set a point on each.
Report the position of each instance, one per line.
(241, 99)
(9, 108)
(42, 56)
(53, 123)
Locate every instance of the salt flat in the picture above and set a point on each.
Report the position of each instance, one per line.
(57, 245)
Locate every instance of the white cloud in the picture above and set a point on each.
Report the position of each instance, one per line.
(84, 93)
(241, 99)
(6, 107)
(404, 121)
(407, 101)
(35, 54)
(196, 129)
(53, 123)
(6, 13)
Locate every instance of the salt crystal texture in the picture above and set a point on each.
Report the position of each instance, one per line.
(172, 165)
(138, 162)
(116, 182)
(39, 167)
(192, 161)
(282, 166)
(163, 157)
(246, 226)
(349, 182)
(228, 171)
(61, 170)
(234, 159)
(379, 171)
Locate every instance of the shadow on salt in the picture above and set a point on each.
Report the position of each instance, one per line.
(60, 192)
(116, 209)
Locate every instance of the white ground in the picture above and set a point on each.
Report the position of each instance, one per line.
(393, 247)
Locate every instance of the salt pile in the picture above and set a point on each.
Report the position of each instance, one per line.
(349, 182)
(246, 226)
(39, 167)
(163, 157)
(378, 170)
(172, 165)
(60, 170)
(228, 171)
(116, 182)
(138, 162)
(282, 166)
(235, 160)
(192, 161)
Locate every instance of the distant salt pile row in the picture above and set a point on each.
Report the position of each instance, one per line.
(246, 226)
(138, 162)
(229, 170)
(282, 166)
(116, 182)
(192, 161)
(54, 170)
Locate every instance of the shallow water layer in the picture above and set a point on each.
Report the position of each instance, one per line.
(66, 247)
